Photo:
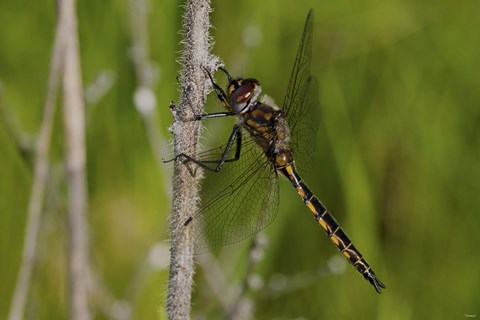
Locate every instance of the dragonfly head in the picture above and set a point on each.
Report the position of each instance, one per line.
(241, 92)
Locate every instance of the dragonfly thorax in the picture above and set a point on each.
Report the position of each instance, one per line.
(266, 124)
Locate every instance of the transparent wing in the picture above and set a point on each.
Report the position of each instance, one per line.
(303, 133)
(237, 202)
(300, 73)
(301, 101)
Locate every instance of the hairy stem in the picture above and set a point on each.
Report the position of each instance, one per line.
(196, 45)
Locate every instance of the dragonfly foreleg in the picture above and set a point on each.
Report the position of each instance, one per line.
(221, 95)
(196, 116)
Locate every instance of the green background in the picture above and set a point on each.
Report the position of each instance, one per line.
(396, 161)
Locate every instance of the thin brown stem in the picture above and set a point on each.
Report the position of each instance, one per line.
(74, 123)
(40, 177)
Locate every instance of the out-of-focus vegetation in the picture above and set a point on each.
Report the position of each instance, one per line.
(397, 159)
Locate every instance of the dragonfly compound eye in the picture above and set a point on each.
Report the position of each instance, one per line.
(241, 96)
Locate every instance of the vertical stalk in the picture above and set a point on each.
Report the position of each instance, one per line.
(196, 46)
(40, 177)
(74, 122)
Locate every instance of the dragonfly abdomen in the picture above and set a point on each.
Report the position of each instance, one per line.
(331, 227)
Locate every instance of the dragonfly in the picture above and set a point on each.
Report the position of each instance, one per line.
(265, 141)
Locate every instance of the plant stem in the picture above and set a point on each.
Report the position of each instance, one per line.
(40, 177)
(74, 122)
(196, 46)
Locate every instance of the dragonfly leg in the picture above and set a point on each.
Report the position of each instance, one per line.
(229, 77)
(221, 95)
(196, 116)
(234, 136)
(213, 115)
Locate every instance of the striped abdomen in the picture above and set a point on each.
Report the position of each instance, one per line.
(331, 227)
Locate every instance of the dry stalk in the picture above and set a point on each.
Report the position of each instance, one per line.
(74, 123)
(195, 56)
(40, 177)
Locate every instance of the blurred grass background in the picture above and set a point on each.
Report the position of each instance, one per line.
(397, 158)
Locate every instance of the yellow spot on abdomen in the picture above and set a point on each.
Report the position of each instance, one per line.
(312, 208)
(301, 192)
(323, 224)
(334, 240)
(289, 170)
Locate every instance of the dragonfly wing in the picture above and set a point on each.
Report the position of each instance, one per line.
(300, 73)
(237, 202)
(304, 127)
(301, 101)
